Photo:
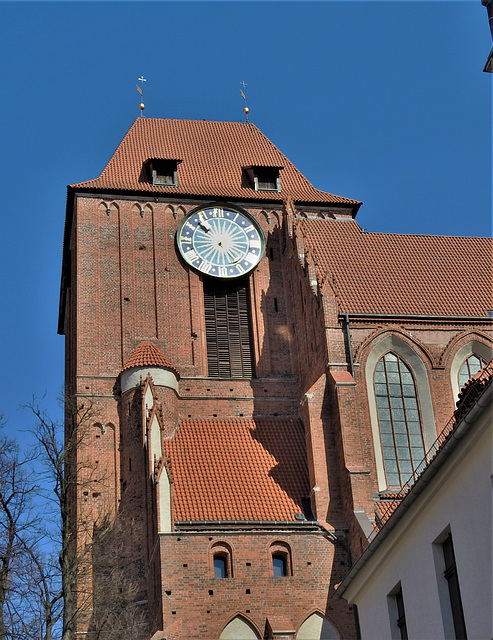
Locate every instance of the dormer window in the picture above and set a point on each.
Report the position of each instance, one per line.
(264, 178)
(163, 173)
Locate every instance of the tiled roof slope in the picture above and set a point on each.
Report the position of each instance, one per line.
(146, 354)
(238, 469)
(212, 156)
(402, 274)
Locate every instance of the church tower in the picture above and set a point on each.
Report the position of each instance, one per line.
(260, 376)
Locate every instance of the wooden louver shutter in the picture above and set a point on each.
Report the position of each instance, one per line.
(228, 332)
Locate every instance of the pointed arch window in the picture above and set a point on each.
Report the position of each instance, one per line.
(469, 368)
(399, 419)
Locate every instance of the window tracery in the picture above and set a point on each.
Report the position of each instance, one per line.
(469, 368)
(399, 419)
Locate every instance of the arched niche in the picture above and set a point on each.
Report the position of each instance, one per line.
(180, 212)
(164, 501)
(137, 210)
(169, 211)
(239, 628)
(317, 627)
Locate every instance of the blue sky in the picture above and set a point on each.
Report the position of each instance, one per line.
(385, 102)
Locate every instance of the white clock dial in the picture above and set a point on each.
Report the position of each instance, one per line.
(220, 241)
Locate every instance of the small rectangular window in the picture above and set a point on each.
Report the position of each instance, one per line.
(452, 578)
(397, 614)
(279, 568)
(448, 587)
(266, 179)
(262, 178)
(163, 173)
(220, 566)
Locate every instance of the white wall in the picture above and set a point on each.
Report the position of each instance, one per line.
(459, 496)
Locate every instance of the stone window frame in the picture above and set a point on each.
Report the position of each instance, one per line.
(415, 363)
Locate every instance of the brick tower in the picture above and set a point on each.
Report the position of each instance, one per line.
(260, 376)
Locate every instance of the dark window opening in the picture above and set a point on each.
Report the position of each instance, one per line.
(266, 179)
(228, 328)
(220, 566)
(452, 578)
(163, 173)
(263, 178)
(279, 565)
(401, 615)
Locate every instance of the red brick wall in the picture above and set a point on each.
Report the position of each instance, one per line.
(128, 284)
(201, 605)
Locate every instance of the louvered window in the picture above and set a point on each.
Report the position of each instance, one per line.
(228, 328)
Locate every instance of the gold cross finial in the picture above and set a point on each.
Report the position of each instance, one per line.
(141, 91)
(245, 108)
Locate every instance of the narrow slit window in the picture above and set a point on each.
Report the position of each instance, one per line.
(452, 578)
(401, 615)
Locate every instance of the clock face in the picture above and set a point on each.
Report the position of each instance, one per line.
(220, 241)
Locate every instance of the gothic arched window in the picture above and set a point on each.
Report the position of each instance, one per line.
(469, 368)
(398, 419)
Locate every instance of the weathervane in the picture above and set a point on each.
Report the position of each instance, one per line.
(245, 108)
(141, 91)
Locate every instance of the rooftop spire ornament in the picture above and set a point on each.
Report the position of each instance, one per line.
(246, 110)
(141, 91)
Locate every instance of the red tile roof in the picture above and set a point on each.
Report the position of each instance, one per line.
(238, 469)
(402, 274)
(212, 156)
(148, 355)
